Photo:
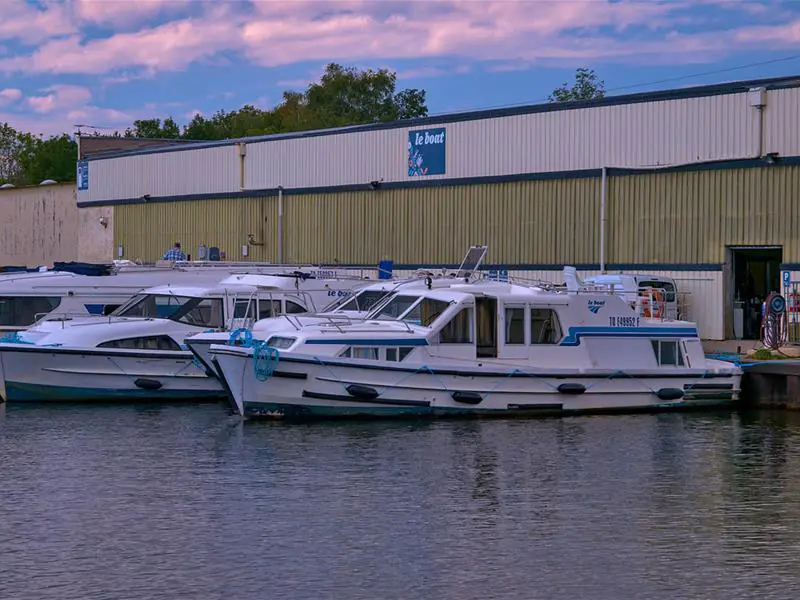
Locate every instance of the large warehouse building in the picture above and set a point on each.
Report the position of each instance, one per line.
(700, 184)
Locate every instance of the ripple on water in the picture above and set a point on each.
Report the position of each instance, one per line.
(185, 501)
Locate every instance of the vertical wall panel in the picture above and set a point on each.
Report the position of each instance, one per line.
(667, 132)
(146, 231)
(691, 217)
(38, 225)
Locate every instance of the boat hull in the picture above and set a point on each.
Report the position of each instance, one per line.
(309, 388)
(40, 374)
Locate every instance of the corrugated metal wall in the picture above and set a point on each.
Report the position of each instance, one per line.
(38, 225)
(630, 135)
(664, 218)
(146, 231)
(690, 217)
(202, 171)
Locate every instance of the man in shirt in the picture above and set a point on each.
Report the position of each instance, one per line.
(175, 253)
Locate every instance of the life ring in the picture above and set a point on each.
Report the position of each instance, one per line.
(658, 304)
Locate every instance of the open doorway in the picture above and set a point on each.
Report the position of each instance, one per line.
(756, 274)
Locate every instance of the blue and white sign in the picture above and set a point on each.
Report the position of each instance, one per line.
(83, 175)
(787, 278)
(426, 152)
(498, 275)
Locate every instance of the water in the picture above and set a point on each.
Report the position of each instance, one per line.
(184, 501)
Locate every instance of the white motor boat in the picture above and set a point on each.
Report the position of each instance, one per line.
(138, 351)
(79, 290)
(344, 309)
(472, 347)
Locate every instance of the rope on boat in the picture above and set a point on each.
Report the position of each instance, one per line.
(265, 360)
(241, 337)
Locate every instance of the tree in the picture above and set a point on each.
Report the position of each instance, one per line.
(10, 169)
(27, 159)
(342, 96)
(153, 128)
(348, 96)
(586, 87)
(52, 158)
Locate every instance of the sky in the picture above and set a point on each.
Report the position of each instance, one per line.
(105, 63)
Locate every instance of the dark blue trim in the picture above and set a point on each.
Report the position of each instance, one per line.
(700, 91)
(720, 165)
(575, 334)
(610, 267)
(369, 342)
(784, 267)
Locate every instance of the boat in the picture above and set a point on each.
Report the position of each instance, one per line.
(138, 351)
(347, 307)
(78, 290)
(474, 347)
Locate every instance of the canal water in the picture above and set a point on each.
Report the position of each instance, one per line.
(151, 502)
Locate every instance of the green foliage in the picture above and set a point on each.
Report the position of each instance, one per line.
(342, 96)
(27, 159)
(586, 87)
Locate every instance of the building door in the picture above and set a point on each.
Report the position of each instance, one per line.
(756, 274)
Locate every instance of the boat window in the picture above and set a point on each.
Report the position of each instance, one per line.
(545, 327)
(345, 353)
(158, 342)
(405, 352)
(361, 302)
(269, 308)
(364, 352)
(459, 329)
(294, 308)
(199, 312)
(425, 312)
(396, 307)
(22, 311)
(243, 309)
(668, 353)
(515, 325)
(279, 342)
(669, 289)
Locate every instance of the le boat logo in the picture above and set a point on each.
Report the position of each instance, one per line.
(426, 152)
(595, 306)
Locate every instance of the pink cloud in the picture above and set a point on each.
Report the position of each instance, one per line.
(271, 33)
(28, 23)
(61, 96)
(9, 96)
(125, 12)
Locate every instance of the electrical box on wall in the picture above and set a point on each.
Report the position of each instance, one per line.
(757, 97)
(120, 251)
(245, 250)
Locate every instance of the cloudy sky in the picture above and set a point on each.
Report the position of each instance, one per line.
(107, 62)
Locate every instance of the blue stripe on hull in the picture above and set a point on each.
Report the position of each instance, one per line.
(31, 392)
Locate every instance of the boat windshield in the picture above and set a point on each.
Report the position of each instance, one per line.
(199, 312)
(360, 302)
(415, 310)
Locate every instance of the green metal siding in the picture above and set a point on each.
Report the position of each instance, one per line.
(665, 218)
(524, 222)
(691, 217)
(146, 231)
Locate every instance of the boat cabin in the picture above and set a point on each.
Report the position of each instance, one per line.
(500, 322)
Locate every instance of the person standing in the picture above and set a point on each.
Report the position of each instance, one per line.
(175, 253)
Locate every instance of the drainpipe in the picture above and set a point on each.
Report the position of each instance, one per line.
(757, 98)
(280, 224)
(603, 195)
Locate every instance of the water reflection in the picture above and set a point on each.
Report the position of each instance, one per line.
(177, 501)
